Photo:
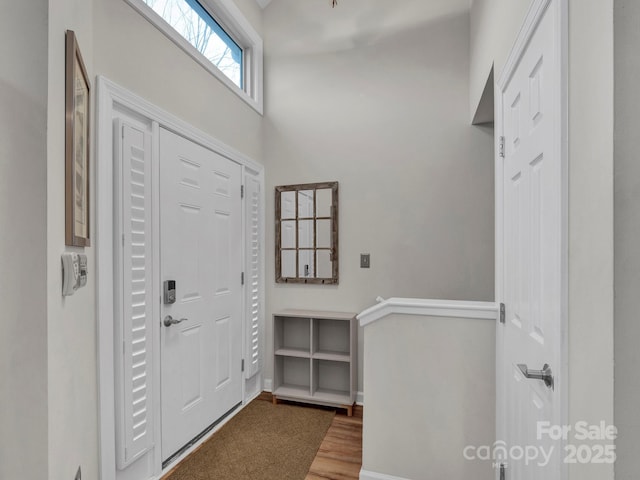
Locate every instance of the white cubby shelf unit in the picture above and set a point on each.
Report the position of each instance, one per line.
(315, 357)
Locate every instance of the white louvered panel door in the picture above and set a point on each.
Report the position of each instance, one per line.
(134, 420)
(253, 308)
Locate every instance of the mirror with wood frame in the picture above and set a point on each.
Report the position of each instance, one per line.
(307, 233)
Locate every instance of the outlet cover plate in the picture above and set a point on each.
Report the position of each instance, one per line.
(365, 260)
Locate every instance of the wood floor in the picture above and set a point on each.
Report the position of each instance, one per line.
(340, 454)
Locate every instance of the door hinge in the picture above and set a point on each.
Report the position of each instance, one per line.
(242, 278)
(241, 191)
(501, 151)
(503, 313)
(242, 368)
(503, 473)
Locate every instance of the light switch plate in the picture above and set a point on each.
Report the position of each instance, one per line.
(365, 260)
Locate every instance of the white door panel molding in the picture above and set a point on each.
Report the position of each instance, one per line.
(531, 233)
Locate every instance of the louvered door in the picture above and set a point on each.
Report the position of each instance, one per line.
(134, 421)
(253, 310)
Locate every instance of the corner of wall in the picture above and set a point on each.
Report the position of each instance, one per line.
(23, 242)
(626, 239)
(591, 220)
(71, 337)
(494, 27)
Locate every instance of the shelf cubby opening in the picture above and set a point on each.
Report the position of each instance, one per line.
(331, 340)
(331, 380)
(292, 376)
(292, 337)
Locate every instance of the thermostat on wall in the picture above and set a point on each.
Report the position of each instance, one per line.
(74, 272)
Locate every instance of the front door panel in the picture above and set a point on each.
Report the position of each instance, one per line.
(201, 347)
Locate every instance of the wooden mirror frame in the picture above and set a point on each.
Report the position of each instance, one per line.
(333, 280)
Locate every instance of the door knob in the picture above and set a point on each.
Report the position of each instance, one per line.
(169, 320)
(546, 375)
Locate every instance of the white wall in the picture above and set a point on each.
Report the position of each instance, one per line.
(132, 52)
(72, 357)
(445, 369)
(374, 94)
(116, 42)
(627, 238)
(494, 27)
(23, 237)
(591, 220)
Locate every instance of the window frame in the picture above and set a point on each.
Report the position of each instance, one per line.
(233, 22)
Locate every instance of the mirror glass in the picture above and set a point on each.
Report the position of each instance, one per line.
(305, 264)
(306, 200)
(324, 263)
(323, 233)
(289, 234)
(307, 233)
(288, 207)
(289, 263)
(323, 202)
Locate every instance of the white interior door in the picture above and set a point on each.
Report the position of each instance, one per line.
(531, 209)
(201, 248)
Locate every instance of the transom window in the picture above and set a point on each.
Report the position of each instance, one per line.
(199, 28)
(215, 34)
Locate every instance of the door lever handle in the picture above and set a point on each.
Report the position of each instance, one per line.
(169, 320)
(546, 375)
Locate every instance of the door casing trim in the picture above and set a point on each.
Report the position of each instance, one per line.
(110, 99)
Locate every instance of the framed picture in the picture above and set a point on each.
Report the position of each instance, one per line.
(78, 99)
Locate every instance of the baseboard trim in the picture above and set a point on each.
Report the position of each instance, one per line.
(366, 475)
(251, 398)
(360, 398)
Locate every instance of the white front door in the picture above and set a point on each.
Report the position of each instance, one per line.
(201, 248)
(530, 207)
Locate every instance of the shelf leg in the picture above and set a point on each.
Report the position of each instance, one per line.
(349, 410)
(274, 400)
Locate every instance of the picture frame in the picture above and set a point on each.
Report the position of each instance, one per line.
(77, 146)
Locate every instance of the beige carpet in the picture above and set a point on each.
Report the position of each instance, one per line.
(262, 442)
